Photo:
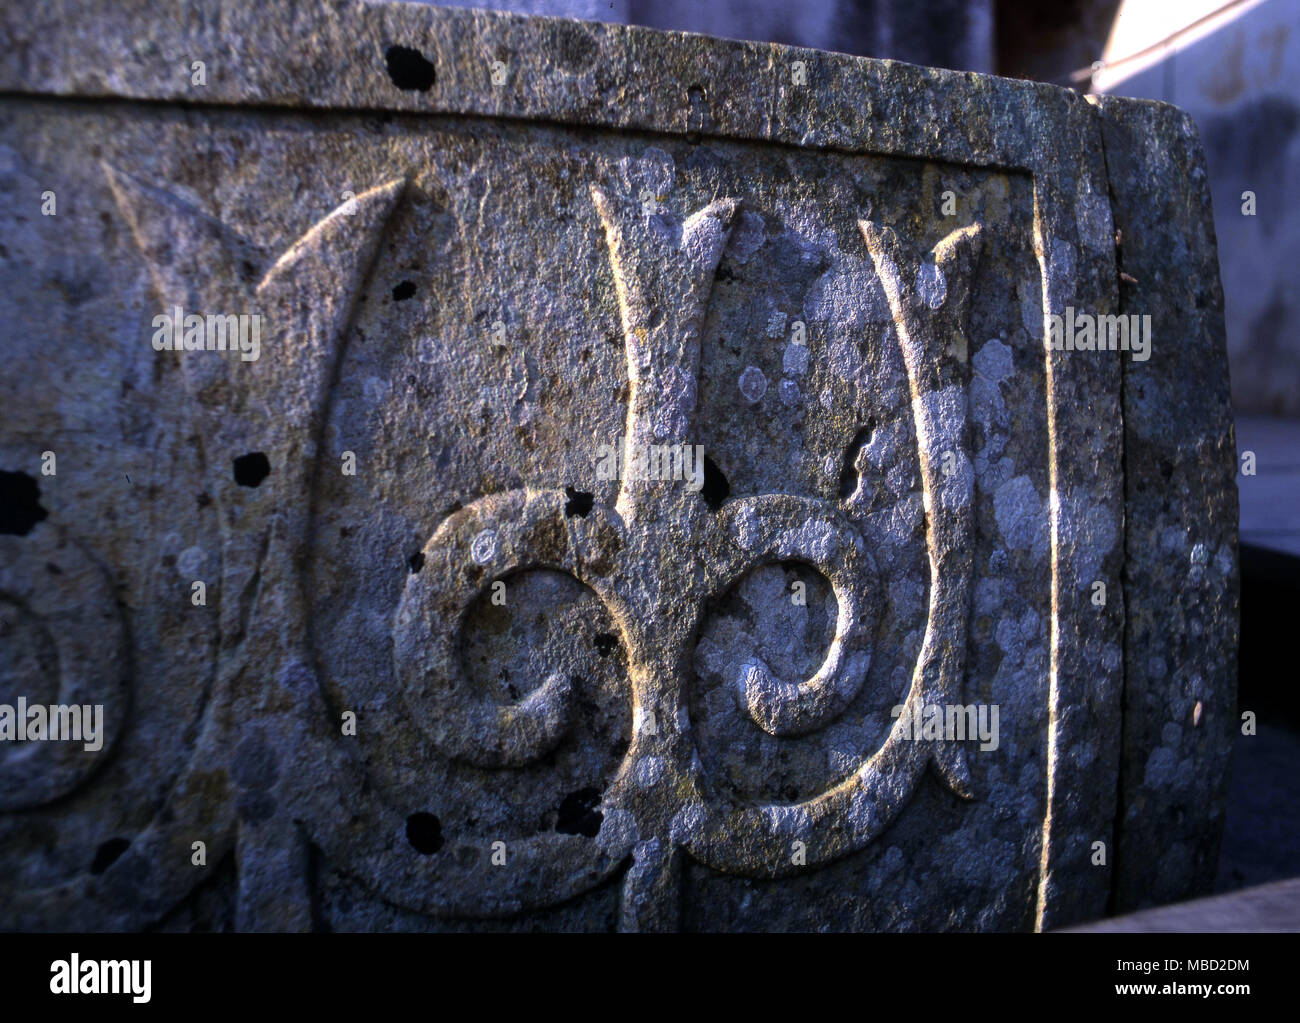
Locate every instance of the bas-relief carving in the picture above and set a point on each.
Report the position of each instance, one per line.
(660, 802)
(271, 776)
(60, 600)
(663, 280)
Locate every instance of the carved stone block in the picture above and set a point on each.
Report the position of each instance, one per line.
(520, 473)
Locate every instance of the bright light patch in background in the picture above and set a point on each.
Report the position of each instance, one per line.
(1148, 31)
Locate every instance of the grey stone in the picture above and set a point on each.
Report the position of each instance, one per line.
(1269, 908)
(479, 285)
(1181, 628)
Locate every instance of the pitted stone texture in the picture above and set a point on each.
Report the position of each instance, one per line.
(1181, 572)
(471, 289)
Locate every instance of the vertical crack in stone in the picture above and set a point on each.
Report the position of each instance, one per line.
(1116, 870)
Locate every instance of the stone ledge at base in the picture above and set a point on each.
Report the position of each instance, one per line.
(1269, 907)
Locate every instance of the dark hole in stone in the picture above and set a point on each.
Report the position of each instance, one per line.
(408, 69)
(107, 854)
(403, 291)
(849, 474)
(716, 489)
(52, 568)
(579, 503)
(605, 643)
(416, 561)
(424, 832)
(20, 507)
(251, 469)
(578, 814)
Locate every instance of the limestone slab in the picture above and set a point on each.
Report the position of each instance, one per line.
(486, 251)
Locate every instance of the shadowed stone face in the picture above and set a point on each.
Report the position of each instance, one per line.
(859, 512)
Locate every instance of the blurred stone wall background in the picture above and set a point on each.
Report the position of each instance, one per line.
(1240, 79)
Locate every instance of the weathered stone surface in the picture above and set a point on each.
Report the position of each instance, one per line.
(475, 290)
(1181, 573)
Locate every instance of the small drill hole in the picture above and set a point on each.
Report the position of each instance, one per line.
(579, 503)
(20, 507)
(578, 814)
(106, 855)
(409, 69)
(251, 469)
(715, 489)
(424, 832)
(849, 474)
